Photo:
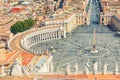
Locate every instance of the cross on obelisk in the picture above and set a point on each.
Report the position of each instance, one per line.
(94, 39)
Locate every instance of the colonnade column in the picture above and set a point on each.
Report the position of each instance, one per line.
(64, 32)
(55, 34)
(45, 36)
(40, 37)
(30, 40)
(48, 35)
(59, 36)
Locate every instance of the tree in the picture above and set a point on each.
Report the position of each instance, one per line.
(21, 26)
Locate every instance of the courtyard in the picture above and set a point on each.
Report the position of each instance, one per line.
(76, 47)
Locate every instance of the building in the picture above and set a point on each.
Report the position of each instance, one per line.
(6, 23)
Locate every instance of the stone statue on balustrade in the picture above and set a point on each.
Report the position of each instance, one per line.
(16, 69)
(25, 71)
(116, 69)
(76, 68)
(2, 71)
(86, 70)
(51, 67)
(105, 69)
(95, 68)
(68, 69)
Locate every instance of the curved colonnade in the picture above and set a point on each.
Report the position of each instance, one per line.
(32, 37)
(41, 36)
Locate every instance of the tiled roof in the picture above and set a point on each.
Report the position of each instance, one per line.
(9, 55)
(6, 56)
(26, 58)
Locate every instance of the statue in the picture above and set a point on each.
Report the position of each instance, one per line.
(116, 69)
(88, 64)
(3, 71)
(51, 67)
(68, 69)
(25, 71)
(86, 70)
(95, 67)
(76, 67)
(105, 69)
(16, 69)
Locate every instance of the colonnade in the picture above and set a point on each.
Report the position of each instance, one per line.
(71, 22)
(41, 36)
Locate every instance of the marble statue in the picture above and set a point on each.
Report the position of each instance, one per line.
(16, 69)
(2, 71)
(76, 67)
(95, 67)
(51, 67)
(116, 69)
(68, 69)
(26, 71)
(86, 70)
(105, 69)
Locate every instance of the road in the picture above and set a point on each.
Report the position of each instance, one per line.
(94, 12)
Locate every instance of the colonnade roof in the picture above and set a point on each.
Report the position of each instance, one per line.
(118, 19)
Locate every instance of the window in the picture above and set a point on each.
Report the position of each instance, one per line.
(102, 19)
(102, 23)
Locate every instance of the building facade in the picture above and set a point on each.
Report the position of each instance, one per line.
(105, 19)
(70, 22)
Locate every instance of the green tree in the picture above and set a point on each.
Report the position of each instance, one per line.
(21, 26)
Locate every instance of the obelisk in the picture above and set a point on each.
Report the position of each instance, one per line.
(94, 50)
(94, 39)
